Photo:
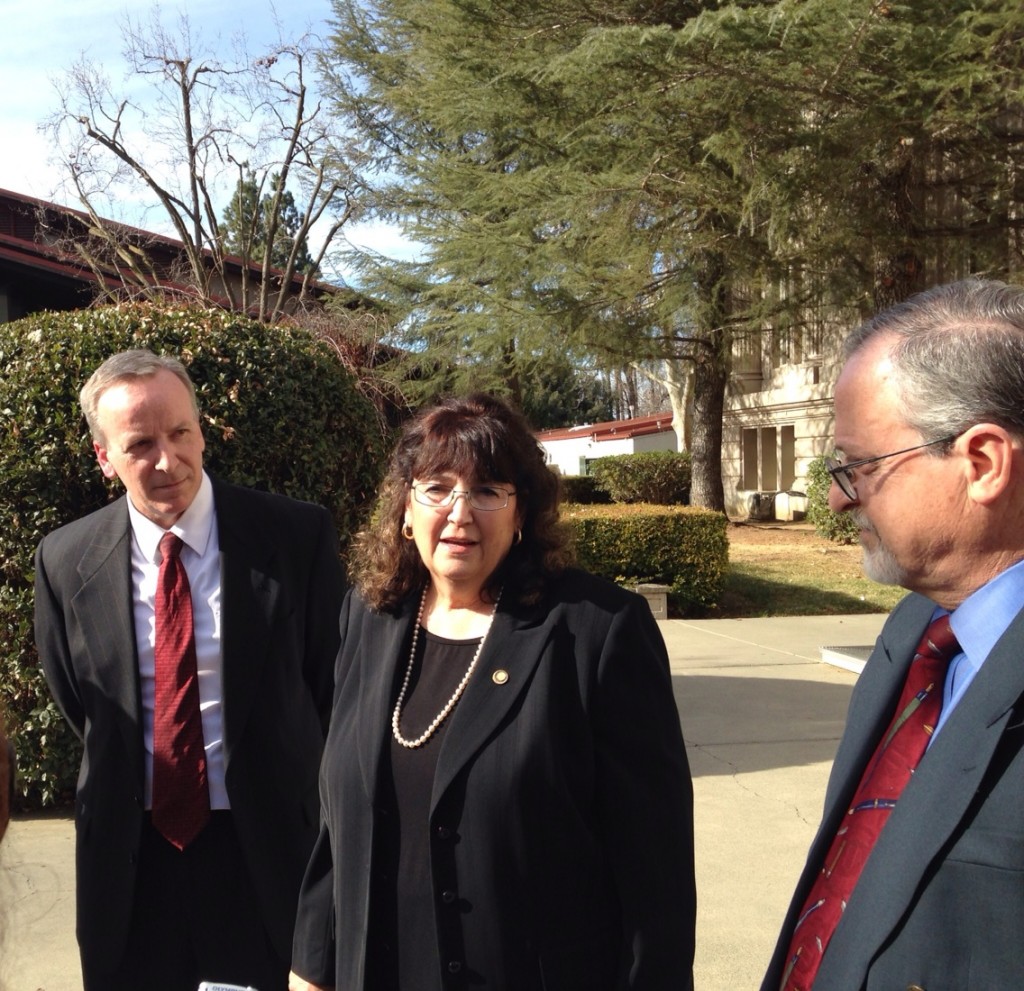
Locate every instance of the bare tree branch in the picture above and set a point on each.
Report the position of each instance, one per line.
(183, 130)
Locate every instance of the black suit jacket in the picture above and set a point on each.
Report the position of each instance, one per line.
(562, 805)
(282, 587)
(940, 902)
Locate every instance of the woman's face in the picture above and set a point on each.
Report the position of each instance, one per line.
(461, 545)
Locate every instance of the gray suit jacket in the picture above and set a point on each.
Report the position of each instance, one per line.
(940, 903)
(561, 811)
(282, 586)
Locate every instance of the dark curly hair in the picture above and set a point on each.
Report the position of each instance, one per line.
(482, 438)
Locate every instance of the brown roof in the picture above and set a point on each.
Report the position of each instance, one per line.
(35, 234)
(612, 429)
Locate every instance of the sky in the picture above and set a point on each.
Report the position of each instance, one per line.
(41, 39)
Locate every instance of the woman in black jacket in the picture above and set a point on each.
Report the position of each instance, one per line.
(506, 798)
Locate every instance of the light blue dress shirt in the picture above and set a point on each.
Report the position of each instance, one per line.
(978, 622)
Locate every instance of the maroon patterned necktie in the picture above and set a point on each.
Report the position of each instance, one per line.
(885, 776)
(181, 799)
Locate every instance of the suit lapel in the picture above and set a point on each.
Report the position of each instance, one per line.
(929, 811)
(513, 649)
(872, 705)
(381, 649)
(250, 597)
(103, 609)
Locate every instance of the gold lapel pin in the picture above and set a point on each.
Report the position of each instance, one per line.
(500, 676)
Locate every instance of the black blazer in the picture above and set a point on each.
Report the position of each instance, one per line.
(940, 903)
(282, 587)
(562, 811)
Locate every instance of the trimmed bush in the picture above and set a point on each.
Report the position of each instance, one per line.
(583, 490)
(279, 412)
(837, 527)
(686, 549)
(660, 477)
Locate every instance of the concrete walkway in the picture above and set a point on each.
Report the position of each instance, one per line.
(762, 715)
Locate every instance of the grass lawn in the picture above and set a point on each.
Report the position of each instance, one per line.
(791, 571)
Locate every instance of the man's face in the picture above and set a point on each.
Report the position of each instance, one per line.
(907, 507)
(151, 440)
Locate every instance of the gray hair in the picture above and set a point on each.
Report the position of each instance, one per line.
(959, 357)
(138, 363)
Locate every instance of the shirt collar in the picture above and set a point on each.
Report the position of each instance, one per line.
(983, 617)
(193, 526)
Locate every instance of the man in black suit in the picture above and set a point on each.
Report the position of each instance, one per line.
(265, 586)
(930, 424)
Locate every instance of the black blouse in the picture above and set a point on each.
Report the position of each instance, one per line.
(403, 940)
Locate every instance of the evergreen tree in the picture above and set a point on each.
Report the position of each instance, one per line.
(525, 141)
(244, 225)
(559, 395)
(655, 181)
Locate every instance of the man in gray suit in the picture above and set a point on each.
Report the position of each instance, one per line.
(929, 413)
(155, 911)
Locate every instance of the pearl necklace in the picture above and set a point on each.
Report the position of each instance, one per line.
(456, 695)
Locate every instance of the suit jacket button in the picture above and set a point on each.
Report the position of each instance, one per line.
(444, 833)
(448, 896)
(454, 966)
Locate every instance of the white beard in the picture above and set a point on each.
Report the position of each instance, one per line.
(878, 561)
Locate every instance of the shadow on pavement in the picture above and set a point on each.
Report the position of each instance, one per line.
(756, 724)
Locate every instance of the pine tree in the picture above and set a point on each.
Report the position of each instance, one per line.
(656, 181)
(244, 225)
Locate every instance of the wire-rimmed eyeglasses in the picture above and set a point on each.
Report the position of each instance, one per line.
(842, 474)
(486, 498)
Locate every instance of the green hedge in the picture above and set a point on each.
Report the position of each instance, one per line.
(582, 489)
(660, 477)
(837, 527)
(279, 412)
(684, 548)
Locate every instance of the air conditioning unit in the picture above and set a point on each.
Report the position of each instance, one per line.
(762, 506)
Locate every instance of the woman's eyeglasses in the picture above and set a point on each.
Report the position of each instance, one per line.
(486, 498)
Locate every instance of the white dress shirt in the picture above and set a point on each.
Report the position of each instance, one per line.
(200, 555)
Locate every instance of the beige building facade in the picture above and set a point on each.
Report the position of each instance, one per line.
(778, 418)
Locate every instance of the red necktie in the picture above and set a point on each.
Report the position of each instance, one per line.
(888, 771)
(181, 800)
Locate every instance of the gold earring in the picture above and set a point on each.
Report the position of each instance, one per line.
(407, 531)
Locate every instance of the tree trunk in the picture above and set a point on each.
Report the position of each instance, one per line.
(709, 380)
(899, 273)
(712, 359)
(897, 277)
(679, 384)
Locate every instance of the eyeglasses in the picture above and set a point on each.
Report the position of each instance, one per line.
(486, 498)
(842, 474)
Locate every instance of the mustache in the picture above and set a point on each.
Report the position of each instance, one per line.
(861, 521)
